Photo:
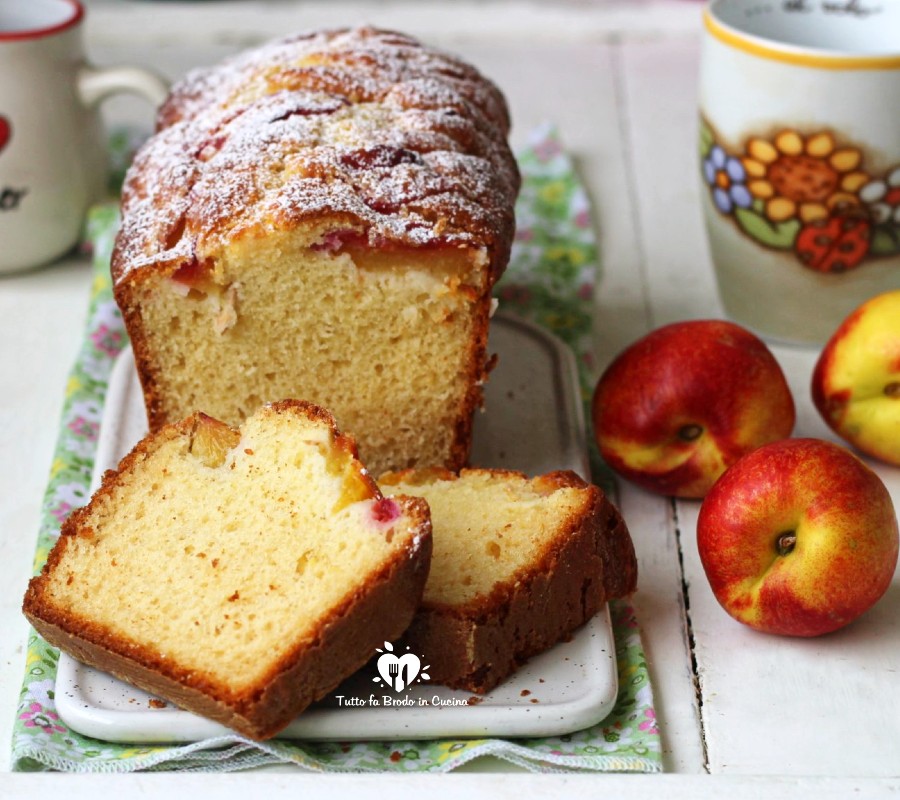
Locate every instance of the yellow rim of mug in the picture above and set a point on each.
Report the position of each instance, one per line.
(758, 47)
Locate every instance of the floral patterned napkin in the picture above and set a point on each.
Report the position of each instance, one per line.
(549, 280)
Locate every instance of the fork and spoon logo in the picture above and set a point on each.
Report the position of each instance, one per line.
(399, 672)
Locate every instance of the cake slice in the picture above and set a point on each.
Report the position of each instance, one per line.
(241, 574)
(518, 565)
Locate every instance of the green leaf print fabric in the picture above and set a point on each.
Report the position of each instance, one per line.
(550, 281)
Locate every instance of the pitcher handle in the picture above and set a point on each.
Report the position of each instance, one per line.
(97, 83)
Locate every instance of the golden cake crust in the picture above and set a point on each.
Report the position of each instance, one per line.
(361, 128)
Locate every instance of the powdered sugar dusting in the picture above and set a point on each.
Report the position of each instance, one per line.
(366, 130)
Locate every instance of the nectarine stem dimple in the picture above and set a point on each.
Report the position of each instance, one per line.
(893, 389)
(785, 542)
(690, 433)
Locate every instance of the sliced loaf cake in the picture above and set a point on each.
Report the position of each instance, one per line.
(322, 217)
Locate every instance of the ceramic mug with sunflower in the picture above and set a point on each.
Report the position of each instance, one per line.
(800, 159)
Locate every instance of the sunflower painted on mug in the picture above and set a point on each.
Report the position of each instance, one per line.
(803, 177)
(808, 193)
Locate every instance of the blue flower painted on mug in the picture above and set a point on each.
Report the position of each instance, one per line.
(726, 178)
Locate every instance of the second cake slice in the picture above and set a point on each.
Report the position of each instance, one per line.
(518, 565)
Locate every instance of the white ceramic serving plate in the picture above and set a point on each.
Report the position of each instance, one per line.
(533, 422)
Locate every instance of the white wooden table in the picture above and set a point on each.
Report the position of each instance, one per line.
(741, 714)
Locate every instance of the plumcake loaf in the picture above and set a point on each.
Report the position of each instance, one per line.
(322, 218)
(517, 566)
(240, 574)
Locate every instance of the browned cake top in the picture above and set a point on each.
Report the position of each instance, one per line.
(365, 129)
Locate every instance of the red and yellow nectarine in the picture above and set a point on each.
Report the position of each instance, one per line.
(683, 403)
(798, 538)
(856, 381)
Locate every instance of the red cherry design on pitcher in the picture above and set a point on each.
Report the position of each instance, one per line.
(5, 132)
